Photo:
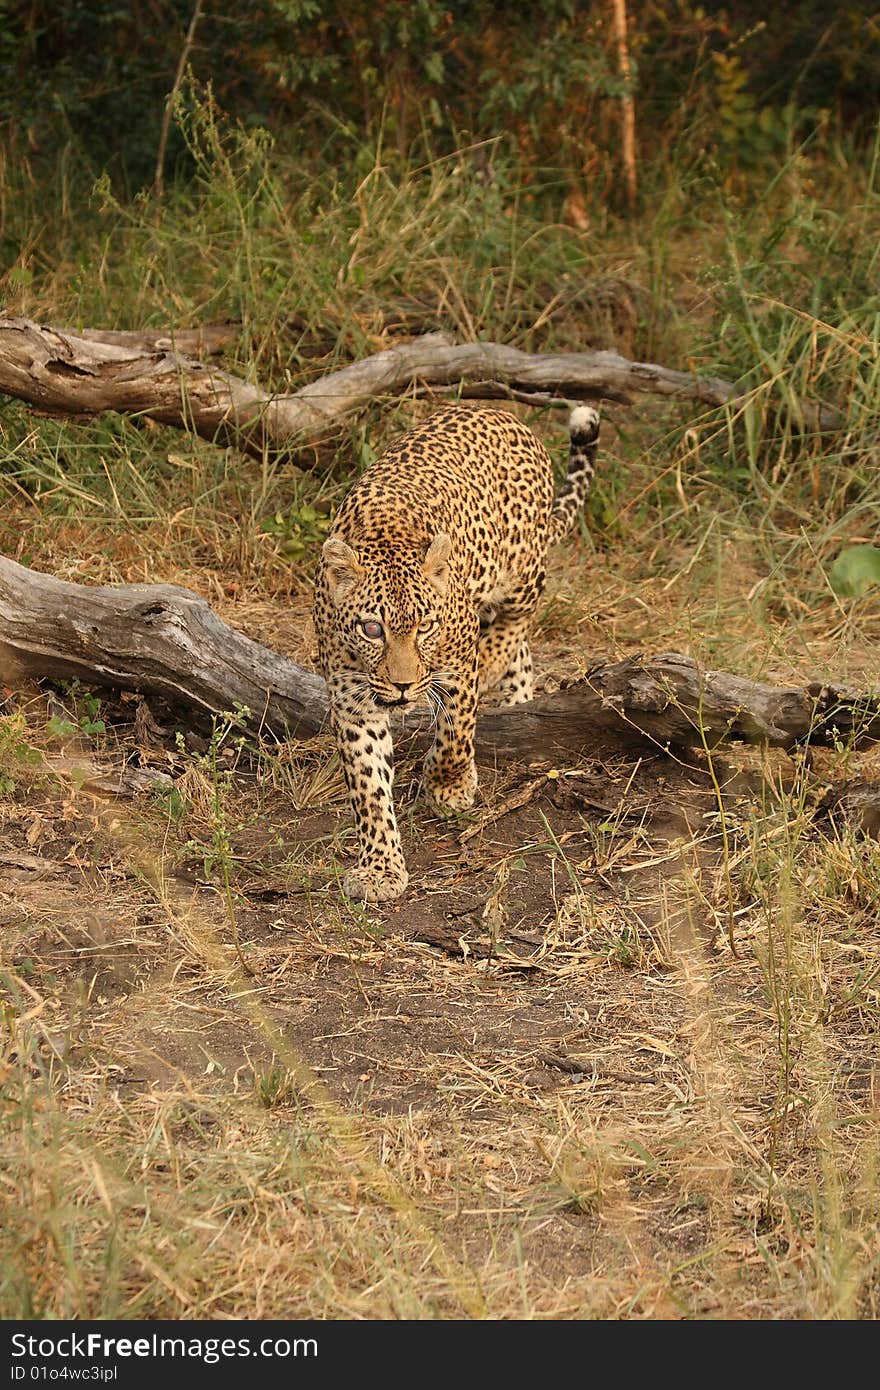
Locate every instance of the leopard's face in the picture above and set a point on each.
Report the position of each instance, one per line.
(389, 622)
(395, 650)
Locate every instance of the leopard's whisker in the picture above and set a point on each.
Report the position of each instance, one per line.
(437, 693)
(433, 707)
(440, 706)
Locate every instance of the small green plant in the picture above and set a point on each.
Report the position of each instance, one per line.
(85, 715)
(171, 801)
(218, 857)
(14, 749)
(300, 530)
(276, 1085)
(855, 570)
(750, 133)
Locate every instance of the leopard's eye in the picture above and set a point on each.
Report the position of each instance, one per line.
(372, 629)
(427, 625)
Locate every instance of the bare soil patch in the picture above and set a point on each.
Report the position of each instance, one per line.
(556, 1080)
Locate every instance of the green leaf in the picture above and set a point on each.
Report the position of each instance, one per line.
(855, 570)
(60, 728)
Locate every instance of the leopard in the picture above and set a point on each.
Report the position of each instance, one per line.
(425, 592)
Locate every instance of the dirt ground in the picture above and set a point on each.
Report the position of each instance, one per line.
(564, 1051)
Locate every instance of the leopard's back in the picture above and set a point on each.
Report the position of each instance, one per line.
(479, 475)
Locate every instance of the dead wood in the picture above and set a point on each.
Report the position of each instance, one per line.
(205, 341)
(158, 639)
(58, 371)
(855, 803)
(166, 641)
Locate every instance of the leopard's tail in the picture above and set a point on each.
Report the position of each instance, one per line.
(583, 428)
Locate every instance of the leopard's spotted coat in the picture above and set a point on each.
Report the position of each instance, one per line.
(424, 595)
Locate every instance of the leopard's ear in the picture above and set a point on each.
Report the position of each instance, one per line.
(342, 566)
(437, 561)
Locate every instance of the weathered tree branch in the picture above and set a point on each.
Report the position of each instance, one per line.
(204, 341)
(59, 371)
(158, 639)
(167, 642)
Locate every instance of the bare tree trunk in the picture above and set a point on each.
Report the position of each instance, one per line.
(167, 642)
(69, 373)
(627, 103)
(189, 40)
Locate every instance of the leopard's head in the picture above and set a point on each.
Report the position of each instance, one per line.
(389, 612)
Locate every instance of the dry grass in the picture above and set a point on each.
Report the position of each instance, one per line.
(609, 1115)
(638, 1075)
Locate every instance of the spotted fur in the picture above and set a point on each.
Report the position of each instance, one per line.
(424, 595)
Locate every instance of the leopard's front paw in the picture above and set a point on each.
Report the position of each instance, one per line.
(376, 883)
(448, 796)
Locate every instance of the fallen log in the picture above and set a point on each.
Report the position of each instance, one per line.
(158, 639)
(855, 803)
(59, 371)
(167, 642)
(204, 341)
